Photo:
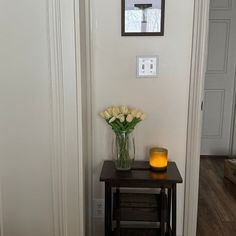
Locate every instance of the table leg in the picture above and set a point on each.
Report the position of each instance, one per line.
(163, 212)
(174, 210)
(117, 211)
(169, 211)
(108, 220)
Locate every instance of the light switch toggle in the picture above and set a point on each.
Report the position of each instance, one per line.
(147, 66)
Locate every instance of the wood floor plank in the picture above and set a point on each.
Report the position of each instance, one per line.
(208, 220)
(229, 228)
(217, 200)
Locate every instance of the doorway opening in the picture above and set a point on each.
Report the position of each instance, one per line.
(217, 177)
(199, 66)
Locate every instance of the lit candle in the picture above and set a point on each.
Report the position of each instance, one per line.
(158, 159)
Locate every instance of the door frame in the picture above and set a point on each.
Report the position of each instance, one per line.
(197, 78)
(66, 117)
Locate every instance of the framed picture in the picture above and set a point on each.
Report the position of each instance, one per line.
(142, 17)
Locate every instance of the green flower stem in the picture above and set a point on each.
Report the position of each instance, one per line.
(119, 124)
(132, 124)
(123, 160)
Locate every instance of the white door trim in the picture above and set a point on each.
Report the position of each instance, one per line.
(66, 118)
(197, 77)
(88, 112)
(1, 212)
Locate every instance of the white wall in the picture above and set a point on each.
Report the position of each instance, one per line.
(24, 120)
(164, 99)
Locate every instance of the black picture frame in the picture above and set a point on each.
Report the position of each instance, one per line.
(123, 33)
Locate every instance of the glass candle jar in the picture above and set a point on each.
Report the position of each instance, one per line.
(158, 159)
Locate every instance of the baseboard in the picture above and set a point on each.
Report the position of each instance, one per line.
(214, 156)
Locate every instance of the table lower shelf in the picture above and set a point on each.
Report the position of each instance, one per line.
(138, 232)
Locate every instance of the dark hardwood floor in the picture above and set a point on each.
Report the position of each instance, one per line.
(217, 200)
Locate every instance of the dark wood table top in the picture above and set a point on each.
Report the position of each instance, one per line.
(140, 173)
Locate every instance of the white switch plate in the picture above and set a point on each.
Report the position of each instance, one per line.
(98, 208)
(147, 66)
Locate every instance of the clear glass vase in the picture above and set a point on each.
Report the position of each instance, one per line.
(123, 150)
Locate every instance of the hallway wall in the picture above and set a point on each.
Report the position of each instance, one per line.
(164, 99)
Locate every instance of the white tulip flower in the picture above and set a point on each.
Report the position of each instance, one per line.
(124, 110)
(122, 118)
(109, 110)
(129, 118)
(143, 116)
(107, 115)
(112, 119)
(115, 111)
(118, 109)
(134, 112)
(138, 115)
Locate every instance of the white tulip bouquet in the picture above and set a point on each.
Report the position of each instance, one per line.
(123, 121)
(122, 118)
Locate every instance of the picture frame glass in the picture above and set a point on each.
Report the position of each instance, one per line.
(143, 17)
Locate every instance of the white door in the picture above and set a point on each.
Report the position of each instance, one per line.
(41, 184)
(220, 76)
(26, 185)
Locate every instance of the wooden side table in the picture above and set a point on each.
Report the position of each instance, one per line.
(141, 177)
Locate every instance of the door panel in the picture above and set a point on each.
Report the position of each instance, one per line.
(221, 4)
(214, 104)
(219, 80)
(25, 154)
(219, 31)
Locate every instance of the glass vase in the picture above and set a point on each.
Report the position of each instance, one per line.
(123, 150)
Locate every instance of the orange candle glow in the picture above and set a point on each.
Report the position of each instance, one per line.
(158, 158)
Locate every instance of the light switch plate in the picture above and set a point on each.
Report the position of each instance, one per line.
(147, 66)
